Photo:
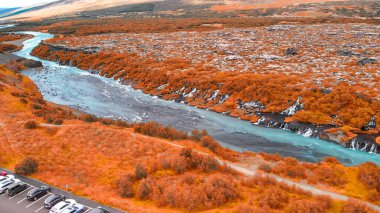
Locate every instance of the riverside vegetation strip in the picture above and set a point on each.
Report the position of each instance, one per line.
(328, 74)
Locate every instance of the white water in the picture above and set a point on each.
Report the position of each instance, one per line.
(6, 26)
(106, 97)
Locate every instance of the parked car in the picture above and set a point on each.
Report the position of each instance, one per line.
(7, 177)
(37, 192)
(76, 208)
(61, 206)
(4, 184)
(53, 199)
(16, 188)
(3, 173)
(99, 210)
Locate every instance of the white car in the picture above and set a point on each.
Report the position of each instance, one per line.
(5, 183)
(76, 208)
(7, 177)
(61, 206)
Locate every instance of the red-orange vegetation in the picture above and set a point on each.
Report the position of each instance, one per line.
(31, 125)
(355, 206)
(158, 130)
(319, 205)
(10, 37)
(173, 178)
(8, 48)
(369, 175)
(328, 174)
(290, 167)
(361, 181)
(120, 25)
(27, 166)
(124, 185)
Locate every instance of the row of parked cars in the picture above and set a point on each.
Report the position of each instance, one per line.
(57, 203)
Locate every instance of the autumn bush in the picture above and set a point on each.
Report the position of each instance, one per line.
(274, 198)
(124, 185)
(144, 189)
(27, 166)
(158, 130)
(140, 172)
(355, 206)
(210, 192)
(88, 118)
(331, 175)
(8, 48)
(290, 167)
(189, 160)
(318, 205)
(369, 175)
(31, 124)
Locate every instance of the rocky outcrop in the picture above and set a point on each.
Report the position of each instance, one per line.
(29, 63)
(347, 53)
(365, 61)
(294, 108)
(291, 51)
(371, 124)
(279, 27)
(87, 50)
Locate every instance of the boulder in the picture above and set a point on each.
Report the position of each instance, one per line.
(365, 61)
(291, 51)
(348, 53)
(29, 63)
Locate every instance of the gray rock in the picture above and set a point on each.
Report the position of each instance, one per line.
(365, 61)
(348, 53)
(291, 51)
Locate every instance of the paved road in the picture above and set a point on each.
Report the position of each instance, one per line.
(19, 203)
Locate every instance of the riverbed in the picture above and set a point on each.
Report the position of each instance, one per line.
(106, 97)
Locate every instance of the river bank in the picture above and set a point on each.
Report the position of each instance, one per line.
(211, 100)
(105, 97)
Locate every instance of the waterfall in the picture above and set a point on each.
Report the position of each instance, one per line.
(354, 144)
(294, 108)
(373, 148)
(365, 147)
(308, 133)
(260, 121)
(213, 96)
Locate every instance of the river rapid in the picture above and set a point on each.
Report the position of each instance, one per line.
(105, 97)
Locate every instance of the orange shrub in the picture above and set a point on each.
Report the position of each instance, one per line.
(355, 206)
(124, 185)
(27, 166)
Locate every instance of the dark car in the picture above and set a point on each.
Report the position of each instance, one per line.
(99, 210)
(38, 192)
(16, 188)
(53, 199)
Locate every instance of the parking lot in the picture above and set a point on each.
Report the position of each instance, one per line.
(19, 204)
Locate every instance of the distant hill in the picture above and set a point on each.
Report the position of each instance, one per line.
(7, 10)
(197, 8)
